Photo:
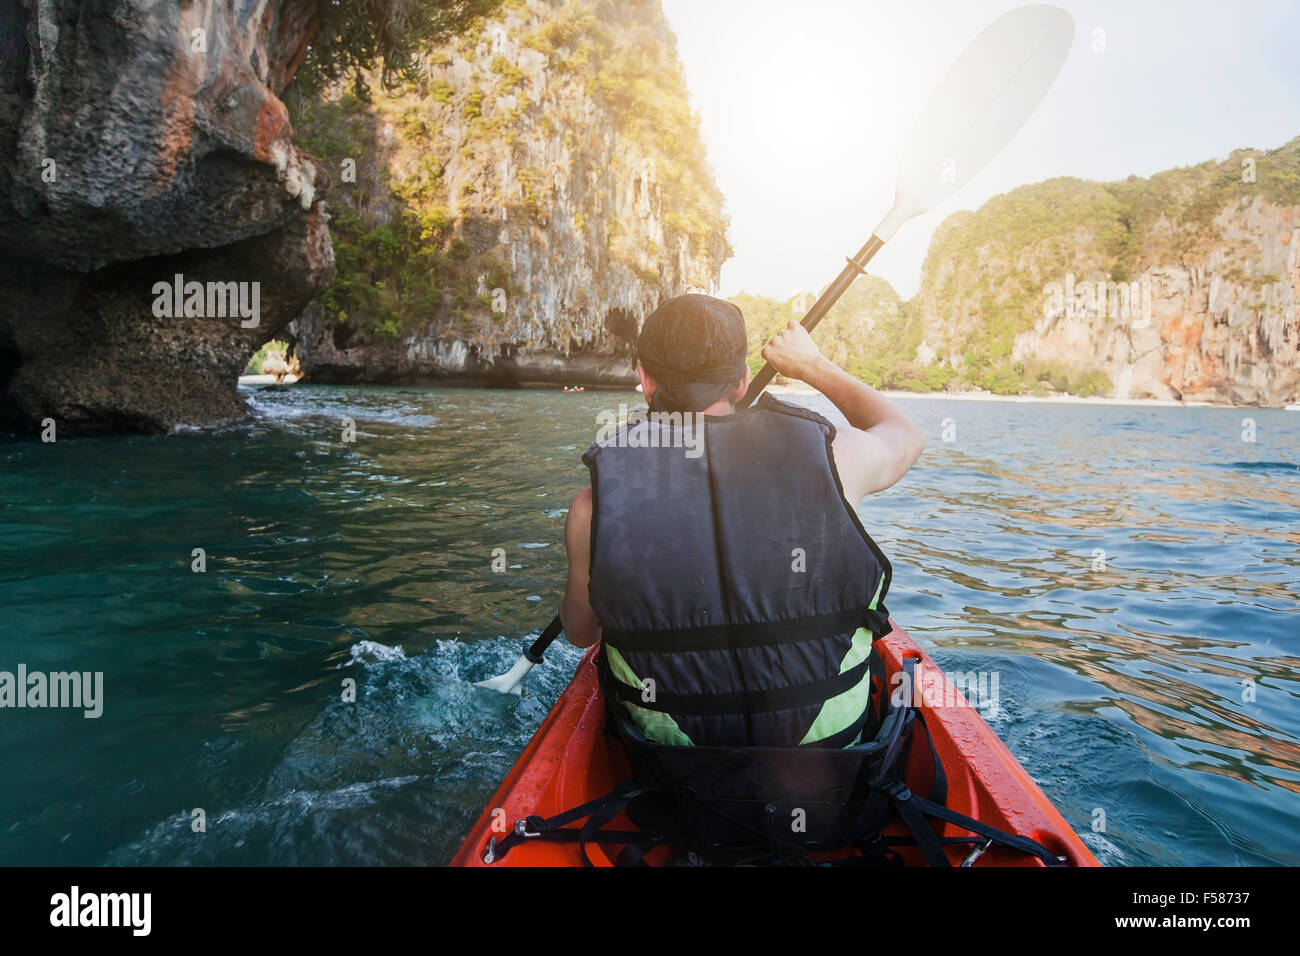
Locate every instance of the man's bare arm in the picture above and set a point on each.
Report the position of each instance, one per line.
(580, 625)
(883, 443)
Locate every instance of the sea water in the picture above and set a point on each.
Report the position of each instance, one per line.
(289, 615)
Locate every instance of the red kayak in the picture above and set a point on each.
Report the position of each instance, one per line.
(569, 762)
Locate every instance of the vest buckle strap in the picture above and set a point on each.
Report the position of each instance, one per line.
(730, 637)
(894, 788)
(746, 702)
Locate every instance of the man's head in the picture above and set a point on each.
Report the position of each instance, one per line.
(691, 354)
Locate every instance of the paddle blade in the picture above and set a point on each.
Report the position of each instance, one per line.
(512, 681)
(989, 92)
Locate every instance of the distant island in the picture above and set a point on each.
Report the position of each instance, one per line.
(1181, 288)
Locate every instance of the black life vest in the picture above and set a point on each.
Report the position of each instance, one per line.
(737, 592)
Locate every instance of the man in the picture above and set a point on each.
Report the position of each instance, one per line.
(735, 590)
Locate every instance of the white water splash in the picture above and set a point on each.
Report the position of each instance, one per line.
(372, 652)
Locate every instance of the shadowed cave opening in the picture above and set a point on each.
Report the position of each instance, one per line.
(10, 360)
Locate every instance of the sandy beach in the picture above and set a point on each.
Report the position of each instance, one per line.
(978, 396)
(266, 380)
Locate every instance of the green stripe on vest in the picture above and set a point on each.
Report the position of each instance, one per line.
(840, 712)
(655, 725)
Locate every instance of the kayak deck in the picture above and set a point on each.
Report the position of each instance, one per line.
(569, 762)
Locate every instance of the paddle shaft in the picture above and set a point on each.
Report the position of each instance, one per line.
(856, 266)
(540, 645)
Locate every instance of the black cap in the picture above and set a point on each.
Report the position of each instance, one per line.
(694, 338)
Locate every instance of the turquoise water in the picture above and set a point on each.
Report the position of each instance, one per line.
(1120, 689)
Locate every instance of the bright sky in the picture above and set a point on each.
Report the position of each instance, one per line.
(805, 107)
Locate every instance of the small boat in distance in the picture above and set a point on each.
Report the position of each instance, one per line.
(577, 389)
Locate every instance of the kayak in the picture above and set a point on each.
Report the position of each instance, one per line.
(569, 762)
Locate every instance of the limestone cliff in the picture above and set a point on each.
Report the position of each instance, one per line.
(1184, 286)
(140, 142)
(514, 214)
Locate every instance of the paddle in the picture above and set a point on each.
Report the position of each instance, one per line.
(511, 682)
(989, 92)
(987, 95)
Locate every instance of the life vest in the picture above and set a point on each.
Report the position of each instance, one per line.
(737, 592)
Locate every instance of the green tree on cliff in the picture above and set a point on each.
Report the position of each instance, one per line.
(355, 36)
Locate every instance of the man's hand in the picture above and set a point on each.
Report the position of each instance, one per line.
(793, 353)
(883, 442)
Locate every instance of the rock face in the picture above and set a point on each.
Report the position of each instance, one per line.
(1184, 286)
(139, 142)
(1222, 329)
(516, 214)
